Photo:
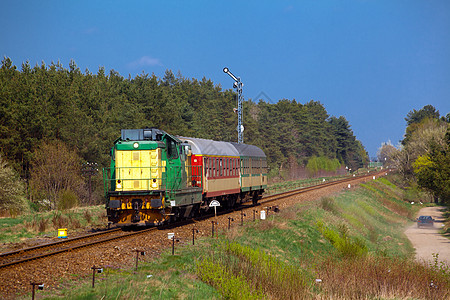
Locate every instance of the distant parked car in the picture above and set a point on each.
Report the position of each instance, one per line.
(425, 221)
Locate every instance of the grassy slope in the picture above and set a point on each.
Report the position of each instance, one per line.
(353, 243)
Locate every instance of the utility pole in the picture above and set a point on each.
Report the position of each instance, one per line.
(240, 99)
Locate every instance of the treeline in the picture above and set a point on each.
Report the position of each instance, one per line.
(86, 111)
(423, 159)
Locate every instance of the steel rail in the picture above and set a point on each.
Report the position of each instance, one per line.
(58, 243)
(71, 248)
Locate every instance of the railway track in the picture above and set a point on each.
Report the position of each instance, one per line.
(38, 252)
(271, 198)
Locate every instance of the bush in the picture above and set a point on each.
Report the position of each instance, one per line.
(12, 190)
(229, 285)
(328, 204)
(347, 246)
(67, 199)
(321, 163)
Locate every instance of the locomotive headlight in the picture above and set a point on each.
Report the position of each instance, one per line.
(119, 185)
(136, 145)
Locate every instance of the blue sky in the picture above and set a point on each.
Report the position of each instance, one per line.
(370, 61)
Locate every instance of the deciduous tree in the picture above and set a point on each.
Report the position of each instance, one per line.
(55, 168)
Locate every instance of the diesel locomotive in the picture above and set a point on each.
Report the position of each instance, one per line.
(155, 177)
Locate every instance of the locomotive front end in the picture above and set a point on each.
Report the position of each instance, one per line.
(135, 182)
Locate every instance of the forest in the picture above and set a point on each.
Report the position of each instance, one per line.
(57, 117)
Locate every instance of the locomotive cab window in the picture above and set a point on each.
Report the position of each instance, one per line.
(172, 149)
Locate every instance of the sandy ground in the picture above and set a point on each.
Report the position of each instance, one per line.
(429, 241)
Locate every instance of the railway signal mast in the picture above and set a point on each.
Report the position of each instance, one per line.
(238, 86)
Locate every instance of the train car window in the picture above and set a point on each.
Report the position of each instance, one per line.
(238, 165)
(217, 167)
(209, 166)
(246, 166)
(254, 162)
(226, 167)
(233, 167)
(224, 160)
(211, 172)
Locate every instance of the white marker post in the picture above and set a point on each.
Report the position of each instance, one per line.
(214, 204)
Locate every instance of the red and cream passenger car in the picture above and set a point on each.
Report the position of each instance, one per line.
(228, 172)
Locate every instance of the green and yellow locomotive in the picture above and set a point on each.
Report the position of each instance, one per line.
(155, 177)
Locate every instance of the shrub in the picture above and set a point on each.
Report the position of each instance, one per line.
(12, 190)
(228, 284)
(42, 225)
(67, 199)
(87, 216)
(347, 246)
(328, 204)
(316, 164)
(59, 221)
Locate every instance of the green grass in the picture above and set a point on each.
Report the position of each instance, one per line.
(46, 224)
(353, 243)
(169, 277)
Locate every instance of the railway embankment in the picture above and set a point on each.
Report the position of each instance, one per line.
(345, 244)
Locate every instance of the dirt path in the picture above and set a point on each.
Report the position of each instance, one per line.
(429, 241)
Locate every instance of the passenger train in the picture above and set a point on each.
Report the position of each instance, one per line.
(155, 177)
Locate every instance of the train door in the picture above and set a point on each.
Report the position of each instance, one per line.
(174, 168)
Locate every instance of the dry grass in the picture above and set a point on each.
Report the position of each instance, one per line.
(59, 221)
(87, 215)
(378, 277)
